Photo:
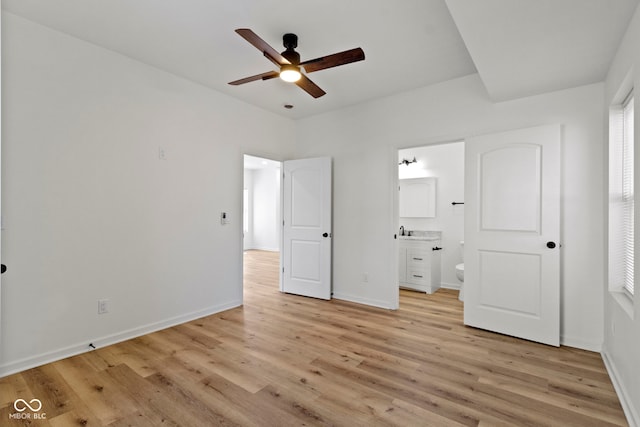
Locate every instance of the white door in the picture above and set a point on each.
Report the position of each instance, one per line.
(512, 230)
(0, 240)
(306, 247)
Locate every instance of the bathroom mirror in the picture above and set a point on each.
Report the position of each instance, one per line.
(418, 198)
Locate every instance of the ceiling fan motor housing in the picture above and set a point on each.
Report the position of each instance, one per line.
(290, 42)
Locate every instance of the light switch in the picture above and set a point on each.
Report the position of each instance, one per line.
(224, 218)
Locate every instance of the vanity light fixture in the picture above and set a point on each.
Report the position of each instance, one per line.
(408, 162)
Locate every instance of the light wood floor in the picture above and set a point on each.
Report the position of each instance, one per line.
(285, 360)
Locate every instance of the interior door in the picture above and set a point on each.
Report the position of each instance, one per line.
(306, 248)
(512, 228)
(2, 266)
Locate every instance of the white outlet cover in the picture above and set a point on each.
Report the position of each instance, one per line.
(103, 306)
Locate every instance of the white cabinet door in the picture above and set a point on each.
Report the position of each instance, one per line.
(402, 264)
(306, 249)
(512, 227)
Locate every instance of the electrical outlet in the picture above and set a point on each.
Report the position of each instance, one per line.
(103, 306)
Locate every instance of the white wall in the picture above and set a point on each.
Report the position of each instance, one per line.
(446, 163)
(266, 209)
(621, 330)
(90, 210)
(247, 240)
(363, 140)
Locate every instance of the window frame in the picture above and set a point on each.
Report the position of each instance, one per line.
(622, 164)
(628, 121)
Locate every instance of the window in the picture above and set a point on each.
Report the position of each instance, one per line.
(621, 197)
(627, 192)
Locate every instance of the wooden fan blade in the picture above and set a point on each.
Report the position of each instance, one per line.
(342, 58)
(310, 87)
(271, 54)
(264, 76)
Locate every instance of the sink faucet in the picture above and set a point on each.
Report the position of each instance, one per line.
(402, 230)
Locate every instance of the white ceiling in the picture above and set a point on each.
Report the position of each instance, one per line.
(519, 47)
(528, 47)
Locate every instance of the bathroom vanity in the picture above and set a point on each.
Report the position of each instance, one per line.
(419, 262)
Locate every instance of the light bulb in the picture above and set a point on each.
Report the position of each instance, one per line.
(290, 73)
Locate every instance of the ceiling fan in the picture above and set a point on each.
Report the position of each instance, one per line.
(289, 63)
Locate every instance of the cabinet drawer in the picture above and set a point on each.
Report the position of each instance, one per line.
(417, 276)
(417, 258)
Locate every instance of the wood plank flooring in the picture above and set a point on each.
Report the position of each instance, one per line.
(284, 360)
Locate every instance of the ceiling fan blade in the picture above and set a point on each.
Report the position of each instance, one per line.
(342, 58)
(310, 87)
(270, 53)
(264, 76)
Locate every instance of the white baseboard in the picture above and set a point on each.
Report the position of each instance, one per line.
(580, 343)
(360, 300)
(261, 248)
(448, 285)
(62, 353)
(631, 412)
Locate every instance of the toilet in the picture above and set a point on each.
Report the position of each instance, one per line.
(460, 273)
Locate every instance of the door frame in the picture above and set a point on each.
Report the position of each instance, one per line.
(395, 220)
(275, 158)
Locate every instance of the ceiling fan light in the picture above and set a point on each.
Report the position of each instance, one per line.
(290, 73)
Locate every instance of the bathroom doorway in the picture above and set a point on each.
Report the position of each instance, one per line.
(443, 164)
(262, 216)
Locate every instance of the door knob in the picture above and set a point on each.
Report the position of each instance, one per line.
(551, 245)
(3, 268)
(325, 234)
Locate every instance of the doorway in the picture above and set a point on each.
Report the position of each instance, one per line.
(287, 210)
(261, 216)
(443, 165)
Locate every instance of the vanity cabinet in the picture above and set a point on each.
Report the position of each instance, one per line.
(419, 264)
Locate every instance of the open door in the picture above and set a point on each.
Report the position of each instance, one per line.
(512, 228)
(306, 246)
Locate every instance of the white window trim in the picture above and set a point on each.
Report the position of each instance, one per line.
(628, 141)
(618, 239)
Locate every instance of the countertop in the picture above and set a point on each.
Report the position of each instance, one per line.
(424, 238)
